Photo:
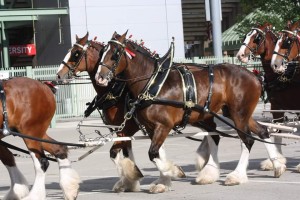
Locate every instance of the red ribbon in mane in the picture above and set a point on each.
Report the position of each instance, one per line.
(130, 52)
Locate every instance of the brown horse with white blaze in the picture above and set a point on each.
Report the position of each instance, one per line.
(287, 47)
(229, 90)
(85, 56)
(282, 95)
(30, 106)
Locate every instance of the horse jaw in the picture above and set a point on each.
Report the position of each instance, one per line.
(242, 56)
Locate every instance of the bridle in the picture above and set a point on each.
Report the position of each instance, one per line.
(117, 55)
(288, 46)
(260, 32)
(83, 54)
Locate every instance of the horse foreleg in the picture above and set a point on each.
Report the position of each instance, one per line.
(128, 171)
(167, 169)
(202, 154)
(69, 178)
(211, 171)
(276, 160)
(19, 186)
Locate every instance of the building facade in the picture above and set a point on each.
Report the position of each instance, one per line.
(40, 32)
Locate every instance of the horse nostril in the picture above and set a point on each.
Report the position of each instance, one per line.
(57, 76)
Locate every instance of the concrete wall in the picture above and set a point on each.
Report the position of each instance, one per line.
(154, 21)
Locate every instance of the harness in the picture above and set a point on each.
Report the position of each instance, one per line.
(189, 93)
(5, 130)
(295, 38)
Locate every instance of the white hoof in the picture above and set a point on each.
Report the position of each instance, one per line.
(159, 188)
(235, 178)
(208, 175)
(279, 170)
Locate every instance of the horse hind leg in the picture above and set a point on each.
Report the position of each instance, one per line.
(129, 173)
(277, 160)
(211, 171)
(206, 158)
(38, 190)
(19, 186)
(69, 178)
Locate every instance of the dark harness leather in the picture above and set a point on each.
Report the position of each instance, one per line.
(5, 130)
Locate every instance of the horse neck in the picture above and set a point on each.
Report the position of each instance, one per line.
(138, 72)
(270, 75)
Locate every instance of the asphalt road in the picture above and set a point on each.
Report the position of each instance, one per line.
(98, 173)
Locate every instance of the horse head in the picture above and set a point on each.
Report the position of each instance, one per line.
(83, 56)
(259, 41)
(287, 47)
(112, 60)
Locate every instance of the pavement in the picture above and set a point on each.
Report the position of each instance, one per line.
(98, 173)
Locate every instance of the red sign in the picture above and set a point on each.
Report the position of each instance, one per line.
(25, 49)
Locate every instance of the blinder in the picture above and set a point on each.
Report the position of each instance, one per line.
(116, 57)
(258, 40)
(288, 42)
(76, 57)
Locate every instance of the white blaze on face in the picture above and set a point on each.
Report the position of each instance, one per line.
(242, 52)
(277, 47)
(100, 66)
(66, 59)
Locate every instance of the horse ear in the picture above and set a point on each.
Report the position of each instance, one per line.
(114, 35)
(77, 38)
(86, 37)
(123, 37)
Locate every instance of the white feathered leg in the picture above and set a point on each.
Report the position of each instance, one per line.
(38, 191)
(167, 171)
(69, 179)
(19, 186)
(268, 164)
(239, 175)
(274, 156)
(211, 172)
(203, 153)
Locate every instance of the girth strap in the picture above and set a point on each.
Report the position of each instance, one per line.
(211, 81)
(189, 93)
